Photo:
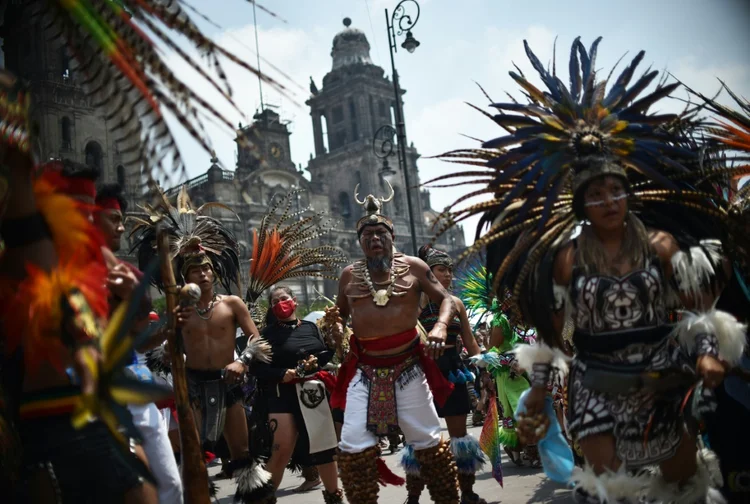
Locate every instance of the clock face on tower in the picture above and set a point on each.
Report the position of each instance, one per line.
(276, 150)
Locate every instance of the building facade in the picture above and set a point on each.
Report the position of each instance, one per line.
(355, 100)
(66, 120)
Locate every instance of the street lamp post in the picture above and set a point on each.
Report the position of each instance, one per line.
(404, 21)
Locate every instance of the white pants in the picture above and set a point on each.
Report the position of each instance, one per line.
(161, 460)
(416, 416)
(169, 422)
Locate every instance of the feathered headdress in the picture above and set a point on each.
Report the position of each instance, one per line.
(434, 257)
(194, 238)
(123, 48)
(282, 250)
(730, 134)
(474, 286)
(557, 142)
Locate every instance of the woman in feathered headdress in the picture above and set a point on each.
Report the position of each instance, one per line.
(582, 156)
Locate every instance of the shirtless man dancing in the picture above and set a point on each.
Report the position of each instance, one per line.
(215, 377)
(389, 377)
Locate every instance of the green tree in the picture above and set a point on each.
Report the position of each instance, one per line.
(160, 305)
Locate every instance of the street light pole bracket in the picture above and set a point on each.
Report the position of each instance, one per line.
(403, 18)
(382, 141)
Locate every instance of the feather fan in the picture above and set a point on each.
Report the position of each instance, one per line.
(189, 230)
(282, 248)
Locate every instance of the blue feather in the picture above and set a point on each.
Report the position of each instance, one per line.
(575, 70)
(618, 89)
(546, 77)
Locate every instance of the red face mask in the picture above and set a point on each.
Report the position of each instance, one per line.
(284, 309)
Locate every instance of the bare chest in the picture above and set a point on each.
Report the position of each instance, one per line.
(383, 307)
(216, 324)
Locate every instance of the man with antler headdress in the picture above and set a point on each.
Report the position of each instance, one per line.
(388, 379)
(206, 254)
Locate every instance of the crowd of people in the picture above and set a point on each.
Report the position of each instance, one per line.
(605, 325)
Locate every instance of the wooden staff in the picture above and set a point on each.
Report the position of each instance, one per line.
(194, 473)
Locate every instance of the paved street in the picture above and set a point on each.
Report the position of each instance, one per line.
(522, 485)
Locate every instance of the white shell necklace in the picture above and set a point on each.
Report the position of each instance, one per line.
(209, 309)
(381, 296)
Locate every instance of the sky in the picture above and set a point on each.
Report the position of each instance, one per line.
(462, 44)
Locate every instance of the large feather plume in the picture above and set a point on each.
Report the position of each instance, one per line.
(282, 248)
(189, 231)
(529, 171)
(730, 133)
(123, 48)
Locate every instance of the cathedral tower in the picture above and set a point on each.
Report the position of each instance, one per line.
(356, 99)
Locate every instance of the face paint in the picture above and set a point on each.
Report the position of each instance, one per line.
(612, 199)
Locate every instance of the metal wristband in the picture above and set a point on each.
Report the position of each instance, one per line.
(539, 375)
(707, 344)
(245, 358)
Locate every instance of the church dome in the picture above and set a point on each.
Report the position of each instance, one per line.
(350, 47)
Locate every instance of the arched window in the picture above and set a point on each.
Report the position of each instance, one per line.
(65, 133)
(353, 120)
(64, 63)
(324, 128)
(121, 176)
(94, 155)
(345, 205)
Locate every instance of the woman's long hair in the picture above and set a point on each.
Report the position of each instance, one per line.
(635, 247)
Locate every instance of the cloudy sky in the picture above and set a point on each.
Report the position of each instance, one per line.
(698, 41)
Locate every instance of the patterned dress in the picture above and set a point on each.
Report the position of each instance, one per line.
(622, 328)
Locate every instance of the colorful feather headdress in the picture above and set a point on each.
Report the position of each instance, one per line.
(474, 285)
(123, 48)
(282, 250)
(730, 134)
(194, 238)
(562, 137)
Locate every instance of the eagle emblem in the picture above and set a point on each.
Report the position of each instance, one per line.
(312, 394)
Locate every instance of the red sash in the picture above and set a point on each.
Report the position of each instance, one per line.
(358, 352)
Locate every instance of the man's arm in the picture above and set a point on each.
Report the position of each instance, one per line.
(256, 349)
(243, 318)
(467, 336)
(341, 300)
